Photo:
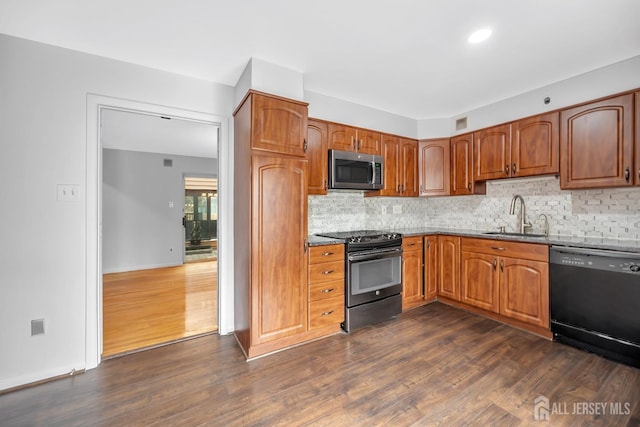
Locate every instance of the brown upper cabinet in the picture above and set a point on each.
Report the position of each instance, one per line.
(400, 167)
(278, 125)
(462, 162)
(434, 164)
(535, 145)
(348, 138)
(596, 144)
(526, 147)
(637, 169)
(492, 155)
(317, 154)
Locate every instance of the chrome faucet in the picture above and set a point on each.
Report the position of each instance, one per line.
(523, 217)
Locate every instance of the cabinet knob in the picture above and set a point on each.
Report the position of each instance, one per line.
(513, 168)
(506, 169)
(305, 145)
(501, 265)
(495, 263)
(627, 174)
(469, 186)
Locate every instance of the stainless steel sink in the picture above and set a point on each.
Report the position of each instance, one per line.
(506, 233)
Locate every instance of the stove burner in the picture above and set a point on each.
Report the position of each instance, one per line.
(365, 239)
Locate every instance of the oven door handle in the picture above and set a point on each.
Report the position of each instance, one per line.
(379, 255)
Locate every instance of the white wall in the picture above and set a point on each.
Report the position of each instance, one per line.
(618, 77)
(43, 119)
(341, 111)
(138, 224)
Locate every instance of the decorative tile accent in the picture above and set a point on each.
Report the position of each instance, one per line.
(604, 213)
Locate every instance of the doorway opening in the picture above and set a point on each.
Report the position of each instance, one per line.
(150, 296)
(200, 218)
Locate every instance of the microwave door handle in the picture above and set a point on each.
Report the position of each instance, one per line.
(372, 173)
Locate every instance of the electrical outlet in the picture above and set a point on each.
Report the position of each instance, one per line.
(170, 250)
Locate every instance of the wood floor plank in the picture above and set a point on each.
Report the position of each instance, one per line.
(434, 365)
(145, 308)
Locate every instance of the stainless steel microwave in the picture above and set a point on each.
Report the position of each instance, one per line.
(355, 171)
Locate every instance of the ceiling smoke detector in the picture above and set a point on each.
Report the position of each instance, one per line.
(480, 35)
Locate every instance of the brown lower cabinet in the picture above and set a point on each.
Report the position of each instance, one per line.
(504, 280)
(508, 278)
(412, 292)
(326, 286)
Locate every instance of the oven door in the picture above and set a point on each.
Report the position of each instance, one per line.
(373, 275)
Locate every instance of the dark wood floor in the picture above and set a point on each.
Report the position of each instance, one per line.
(434, 365)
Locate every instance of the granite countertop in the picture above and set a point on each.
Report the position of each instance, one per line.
(552, 240)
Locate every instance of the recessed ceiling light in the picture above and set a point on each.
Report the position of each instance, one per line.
(480, 35)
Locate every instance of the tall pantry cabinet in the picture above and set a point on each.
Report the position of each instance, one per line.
(270, 223)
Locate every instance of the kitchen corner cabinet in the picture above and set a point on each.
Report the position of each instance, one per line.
(596, 144)
(509, 278)
(412, 292)
(278, 125)
(462, 164)
(449, 267)
(400, 167)
(430, 276)
(348, 138)
(270, 195)
(434, 167)
(317, 155)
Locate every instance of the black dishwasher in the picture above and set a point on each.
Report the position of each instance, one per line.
(595, 301)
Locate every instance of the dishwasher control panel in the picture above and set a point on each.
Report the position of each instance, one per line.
(621, 262)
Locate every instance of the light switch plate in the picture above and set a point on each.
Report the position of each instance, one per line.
(68, 192)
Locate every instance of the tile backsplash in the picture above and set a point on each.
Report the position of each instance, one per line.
(608, 213)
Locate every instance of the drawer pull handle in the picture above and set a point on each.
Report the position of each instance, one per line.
(327, 253)
(495, 263)
(501, 265)
(327, 313)
(326, 291)
(327, 272)
(411, 244)
(497, 248)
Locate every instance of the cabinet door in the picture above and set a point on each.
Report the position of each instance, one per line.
(637, 145)
(524, 290)
(449, 267)
(430, 267)
(369, 141)
(433, 167)
(412, 278)
(391, 153)
(342, 137)
(461, 164)
(317, 155)
(535, 147)
(278, 255)
(596, 144)
(492, 156)
(479, 280)
(408, 168)
(278, 125)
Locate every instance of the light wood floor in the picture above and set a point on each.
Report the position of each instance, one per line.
(434, 365)
(147, 308)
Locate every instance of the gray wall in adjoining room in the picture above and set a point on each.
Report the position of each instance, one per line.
(138, 226)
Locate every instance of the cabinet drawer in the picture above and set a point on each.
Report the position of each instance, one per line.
(326, 253)
(326, 271)
(324, 290)
(532, 251)
(411, 243)
(326, 312)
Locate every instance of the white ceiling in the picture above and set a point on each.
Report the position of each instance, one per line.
(408, 57)
(124, 130)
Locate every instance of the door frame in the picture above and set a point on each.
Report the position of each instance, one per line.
(93, 232)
